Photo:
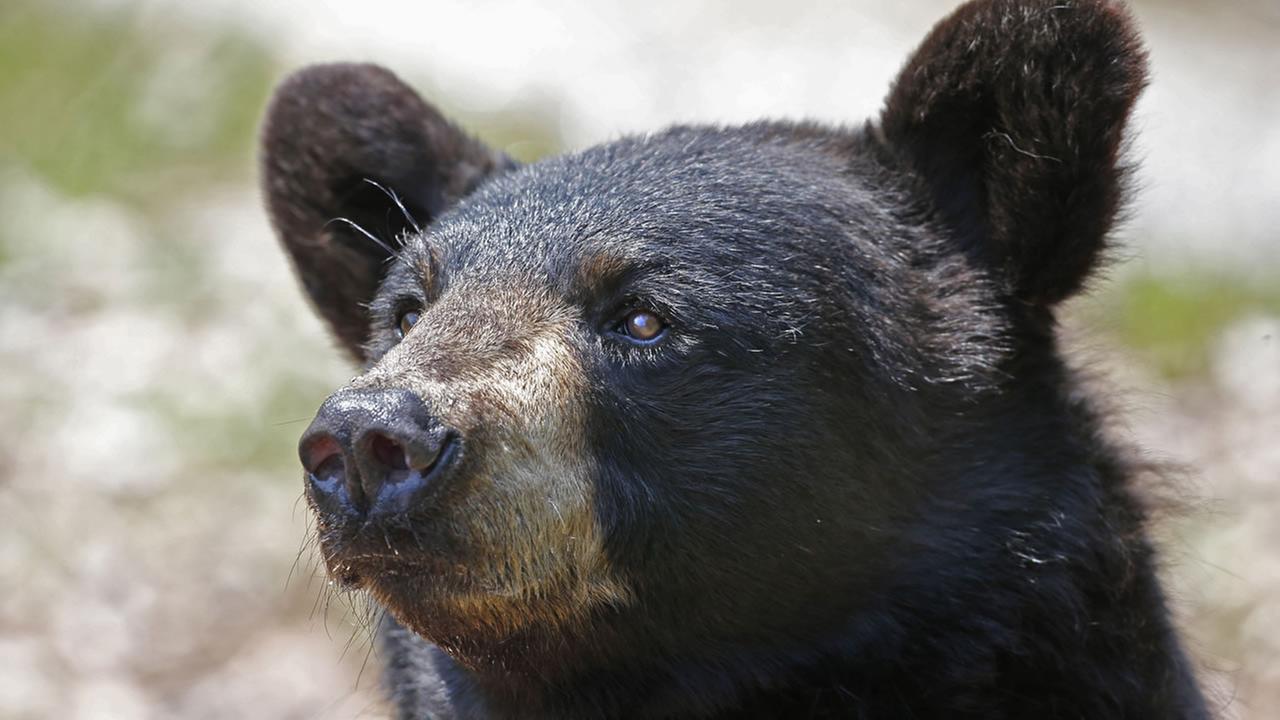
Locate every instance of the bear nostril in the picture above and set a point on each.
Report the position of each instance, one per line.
(322, 458)
(319, 451)
(330, 474)
(389, 453)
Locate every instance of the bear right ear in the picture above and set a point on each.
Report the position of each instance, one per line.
(1012, 113)
(331, 132)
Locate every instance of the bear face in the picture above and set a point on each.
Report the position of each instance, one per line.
(729, 418)
(598, 468)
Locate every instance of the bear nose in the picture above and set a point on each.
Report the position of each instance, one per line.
(373, 452)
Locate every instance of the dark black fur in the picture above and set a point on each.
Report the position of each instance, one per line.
(856, 480)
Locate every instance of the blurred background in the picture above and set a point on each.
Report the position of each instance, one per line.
(157, 362)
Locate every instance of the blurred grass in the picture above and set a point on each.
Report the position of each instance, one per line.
(91, 97)
(1172, 319)
(261, 438)
(116, 101)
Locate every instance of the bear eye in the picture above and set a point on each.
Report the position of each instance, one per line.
(407, 321)
(642, 326)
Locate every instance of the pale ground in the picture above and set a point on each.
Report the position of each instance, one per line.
(157, 363)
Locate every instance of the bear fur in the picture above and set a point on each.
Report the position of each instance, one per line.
(852, 476)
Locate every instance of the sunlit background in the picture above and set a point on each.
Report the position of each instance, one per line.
(157, 362)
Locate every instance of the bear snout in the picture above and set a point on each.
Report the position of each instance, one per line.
(374, 453)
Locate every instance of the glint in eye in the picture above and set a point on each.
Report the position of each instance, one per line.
(407, 321)
(642, 326)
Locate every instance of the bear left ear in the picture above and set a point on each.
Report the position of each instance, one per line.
(1012, 112)
(352, 158)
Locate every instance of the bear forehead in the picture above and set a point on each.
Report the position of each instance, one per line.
(685, 199)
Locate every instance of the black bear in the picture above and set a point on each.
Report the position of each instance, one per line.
(759, 421)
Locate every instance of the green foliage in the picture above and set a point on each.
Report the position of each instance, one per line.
(1172, 320)
(118, 102)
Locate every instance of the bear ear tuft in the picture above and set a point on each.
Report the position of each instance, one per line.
(338, 141)
(1012, 113)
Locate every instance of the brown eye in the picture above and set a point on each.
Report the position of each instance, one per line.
(407, 321)
(642, 326)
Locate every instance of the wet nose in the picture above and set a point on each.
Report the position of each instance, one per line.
(375, 452)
